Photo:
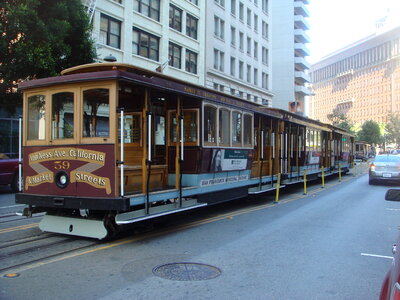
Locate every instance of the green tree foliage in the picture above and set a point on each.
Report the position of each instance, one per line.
(337, 117)
(393, 129)
(340, 120)
(39, 38)
(370, 132)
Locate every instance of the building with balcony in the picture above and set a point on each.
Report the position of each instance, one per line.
(289, 51)
(361, 80)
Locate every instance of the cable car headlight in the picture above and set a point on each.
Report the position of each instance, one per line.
(62, 179)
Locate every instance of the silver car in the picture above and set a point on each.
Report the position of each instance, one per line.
(385, 167)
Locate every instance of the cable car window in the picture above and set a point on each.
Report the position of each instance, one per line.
(36, 117)
(224, 127)
(62, 115)
(96, 113)
(190, 126)
(132, 132)
(210, 121)
(159, 130)
(247, 126)
(236, 128)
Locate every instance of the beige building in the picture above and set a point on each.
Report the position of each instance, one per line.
(361, 80)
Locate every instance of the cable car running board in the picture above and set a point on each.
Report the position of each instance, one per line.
(155, 212)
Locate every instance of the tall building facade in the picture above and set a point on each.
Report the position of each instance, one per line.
(238, 49)
(168, 36)
(361, 80)
(289, 51)
(221, 44)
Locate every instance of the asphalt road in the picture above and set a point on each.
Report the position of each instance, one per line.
(333, 243)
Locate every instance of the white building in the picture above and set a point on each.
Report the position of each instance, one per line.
(289, 52)
(220, 44)
(238, 49)
(168, 35)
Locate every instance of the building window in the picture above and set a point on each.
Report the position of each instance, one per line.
(248, 46)
(255, 77)
(264, 30)
(264, 81)
(264, 5)
(248, 73)
(240, 69)
(265, 55)
(241, 11)
(220, 2)
(191, 62)
(219, 60)
(233, 65)
(145, 44)
(175, 18)
(110, 31)
(255, 50)
(194, 2)
(174, 55)
(255, 23)
(219, 27)
(241, 41)
(233, 36)
(233, 7)
(149, 8)
(191, 26)
(249, 17)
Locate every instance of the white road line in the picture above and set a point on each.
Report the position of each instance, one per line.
(393, 208)
(375, 255)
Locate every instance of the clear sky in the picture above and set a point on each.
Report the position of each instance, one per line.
(336, 24)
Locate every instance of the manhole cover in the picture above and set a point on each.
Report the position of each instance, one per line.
(186, 271)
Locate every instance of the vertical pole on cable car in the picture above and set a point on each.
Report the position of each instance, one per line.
(181, 150)
(354, 168)
(20, 154)
(278, 184)
(323, 176)
(121, 162)
(340, 173)
(305, 181)
(261, 155)
(177, 146)
(148, 161)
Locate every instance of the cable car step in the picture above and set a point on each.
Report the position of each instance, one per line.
(292, 181)
(74, 226)
(264, 188)
(156, 211)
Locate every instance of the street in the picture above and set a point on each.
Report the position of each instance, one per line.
(333, 243)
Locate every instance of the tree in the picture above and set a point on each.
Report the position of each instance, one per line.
(39, 39)
(340, 120)
(393, 129)
(337, 117)
(370, 132)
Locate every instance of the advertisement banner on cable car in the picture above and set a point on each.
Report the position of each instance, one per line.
(228, 160)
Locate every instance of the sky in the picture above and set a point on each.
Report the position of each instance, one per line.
(339, 23)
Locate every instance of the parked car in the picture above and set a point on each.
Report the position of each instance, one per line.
(9, 171)
(385, 167)
(391, 285)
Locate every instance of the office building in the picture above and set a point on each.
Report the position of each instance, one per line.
(361, 80)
